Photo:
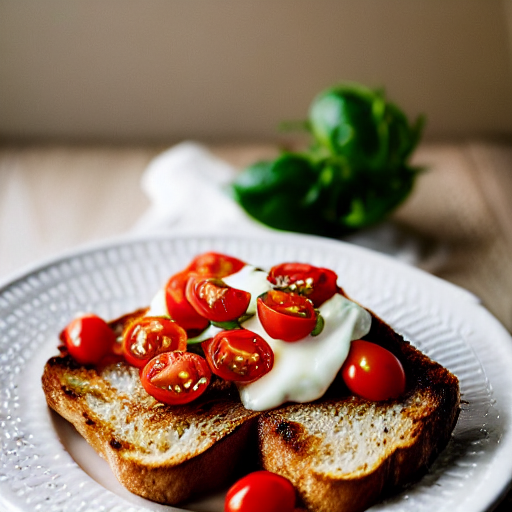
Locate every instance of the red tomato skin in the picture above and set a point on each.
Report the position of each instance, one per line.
(209, 264)
(88, 339)
(238, 355)
(261, 491)
(216, 301)
(167, 369)
(148, 336)
(322, 281)
(215, 264)
(373, 372)
(283, 326)
(179, 308)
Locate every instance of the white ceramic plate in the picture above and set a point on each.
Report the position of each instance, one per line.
(46, 466)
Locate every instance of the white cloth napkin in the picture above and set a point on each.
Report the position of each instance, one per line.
(188, 188)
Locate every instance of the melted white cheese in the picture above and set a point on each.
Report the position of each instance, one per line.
(252, 280)
(158, 305)
(304, 369)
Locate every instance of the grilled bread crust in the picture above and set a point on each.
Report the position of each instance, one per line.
(341, 453)
(344, 453)
(161, 452)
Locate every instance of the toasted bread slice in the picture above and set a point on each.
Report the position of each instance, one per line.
(343, 454)
(163, 453)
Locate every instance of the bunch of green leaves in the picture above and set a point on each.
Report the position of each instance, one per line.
(354, 174)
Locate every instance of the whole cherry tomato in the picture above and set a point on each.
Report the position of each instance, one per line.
(178, 306)
(88, 339)
(215, 300)
(149, 336)
(176, 378)
(240, 355)
(373, 372)
(261, 491)
(316, 283)
(286, 316)
(215, 264)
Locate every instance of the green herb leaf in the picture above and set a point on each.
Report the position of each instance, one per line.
(349, 120)
(319, 326)
(277, 193)
(227, 326)
(233, 324)
(355, 173)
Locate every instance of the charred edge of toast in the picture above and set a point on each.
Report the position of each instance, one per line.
(219, 463)
(207, 472)
(430, 435)
(67, 386)
(421, 371)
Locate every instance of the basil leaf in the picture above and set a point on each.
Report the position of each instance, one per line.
(354, 174)
(227, 326)
(319, 326)
(277, 192)
(196, 340)
(349, 120)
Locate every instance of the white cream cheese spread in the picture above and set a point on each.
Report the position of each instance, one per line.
(304, 369)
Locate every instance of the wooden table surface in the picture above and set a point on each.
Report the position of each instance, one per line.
(55, 198)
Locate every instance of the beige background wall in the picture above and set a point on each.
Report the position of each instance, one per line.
(161, 70)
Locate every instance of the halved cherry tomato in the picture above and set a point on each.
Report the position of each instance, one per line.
(179, 308)
(149, 336)
(316, 283)
(208, 264)
(373, 372)
(215, 300)
(176, 378)
(215, 264)
(261, 491)
(240, 355)
(286, 316)
(88, 339)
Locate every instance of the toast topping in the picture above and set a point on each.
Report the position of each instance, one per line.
(303, 370)
(160, 423)
(281, 336)
(280, 312)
